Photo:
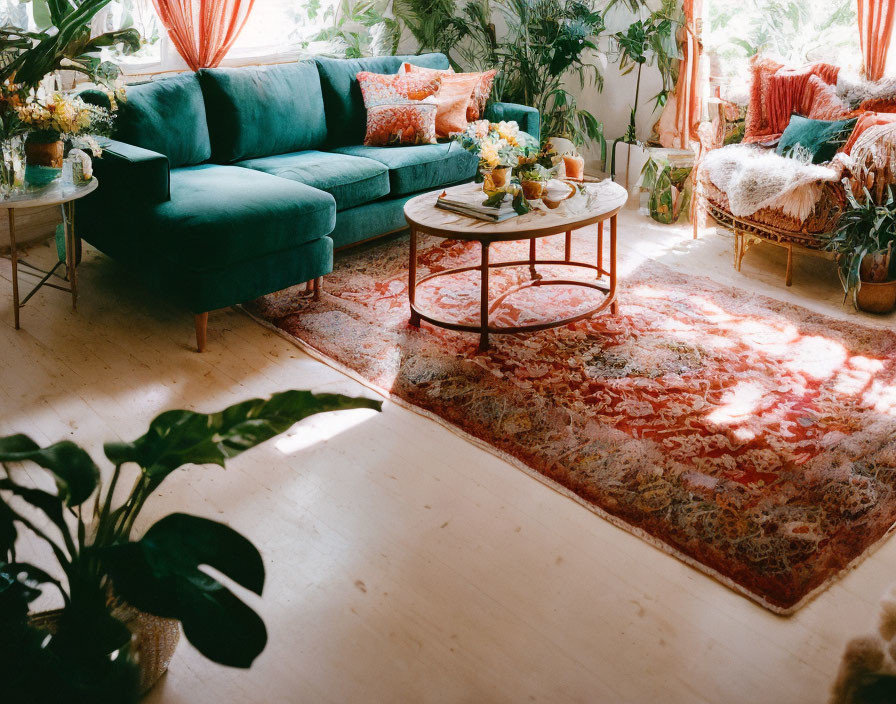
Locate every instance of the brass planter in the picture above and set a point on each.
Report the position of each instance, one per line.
(873, 297)
(153, 639)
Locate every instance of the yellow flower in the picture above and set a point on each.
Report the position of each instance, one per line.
(489, 155)
(508, 131)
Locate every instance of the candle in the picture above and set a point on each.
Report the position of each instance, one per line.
(574, 166)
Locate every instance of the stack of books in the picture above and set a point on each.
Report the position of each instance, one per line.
(468, 200)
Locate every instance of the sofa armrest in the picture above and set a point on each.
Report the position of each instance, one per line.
(527, 118)
(130, 173)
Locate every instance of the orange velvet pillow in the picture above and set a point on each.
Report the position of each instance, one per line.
(480, 94)
(401, 124)
(453, 99)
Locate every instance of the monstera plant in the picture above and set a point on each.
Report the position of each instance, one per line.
(101, 564)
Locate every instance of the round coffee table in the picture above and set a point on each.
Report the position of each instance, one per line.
(603, 202)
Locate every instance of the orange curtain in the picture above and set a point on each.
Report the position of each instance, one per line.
(687, 90)
(203, 30)
(875, 30)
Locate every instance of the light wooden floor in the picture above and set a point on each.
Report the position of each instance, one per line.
(404, 564)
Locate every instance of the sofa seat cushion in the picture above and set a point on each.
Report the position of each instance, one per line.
(419, 168)
(221, 215)
(351, 180)
(256, 111)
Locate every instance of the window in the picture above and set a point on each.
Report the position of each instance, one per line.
(275, 28)
(793, 31)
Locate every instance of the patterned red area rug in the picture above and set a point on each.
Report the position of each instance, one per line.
(751, 438)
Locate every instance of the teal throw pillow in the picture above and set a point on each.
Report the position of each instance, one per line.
(822, 138)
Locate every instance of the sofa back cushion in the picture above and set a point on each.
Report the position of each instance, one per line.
(166, 116)
(344, 105)
(258, 111)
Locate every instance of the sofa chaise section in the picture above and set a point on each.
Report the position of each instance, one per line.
(208, 235)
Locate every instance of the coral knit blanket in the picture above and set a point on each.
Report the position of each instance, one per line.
(779, 92)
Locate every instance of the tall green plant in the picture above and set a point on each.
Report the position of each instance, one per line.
(90, 536)
(27, 57)
(548, 43)
(359, 28)
(650, 41)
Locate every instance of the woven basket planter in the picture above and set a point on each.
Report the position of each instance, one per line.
(153, 639)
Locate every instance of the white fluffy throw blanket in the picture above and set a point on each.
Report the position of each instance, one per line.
(753, 178)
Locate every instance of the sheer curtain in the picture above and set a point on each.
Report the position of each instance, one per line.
(875, 31)
(203, 31)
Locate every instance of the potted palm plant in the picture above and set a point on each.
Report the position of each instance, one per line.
(123, 595)
(864, 243)
(649, 40)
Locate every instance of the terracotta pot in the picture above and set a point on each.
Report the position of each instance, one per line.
(532, 189)
(876, 297)
(153, 639)
(875, 268)
(43, 162)
(44, 153)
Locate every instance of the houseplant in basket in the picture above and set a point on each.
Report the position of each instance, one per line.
(122, 595)
(864, 242)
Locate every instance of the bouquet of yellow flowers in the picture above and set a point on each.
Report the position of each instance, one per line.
(497, 144)
(61, 116)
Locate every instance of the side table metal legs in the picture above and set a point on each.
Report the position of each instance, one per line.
(71, 254)
(72, 245)
(14, 257)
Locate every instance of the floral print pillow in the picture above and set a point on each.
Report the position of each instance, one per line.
(400, 124)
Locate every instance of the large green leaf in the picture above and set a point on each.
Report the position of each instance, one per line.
(176, 438)
(75, 472)
(161, 574)
(7, 530)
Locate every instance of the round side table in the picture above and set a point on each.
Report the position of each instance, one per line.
(63, 195)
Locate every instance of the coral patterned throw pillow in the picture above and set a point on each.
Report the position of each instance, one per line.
(396, 113)
(401, 124)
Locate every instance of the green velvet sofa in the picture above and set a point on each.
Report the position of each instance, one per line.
(231, 183)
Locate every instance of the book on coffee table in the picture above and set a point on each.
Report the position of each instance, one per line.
(468, 200)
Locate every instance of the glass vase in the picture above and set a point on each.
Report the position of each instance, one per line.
(12, 166)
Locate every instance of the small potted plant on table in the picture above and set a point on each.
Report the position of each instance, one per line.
(864, 242)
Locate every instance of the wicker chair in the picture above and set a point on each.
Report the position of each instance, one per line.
(773, 226)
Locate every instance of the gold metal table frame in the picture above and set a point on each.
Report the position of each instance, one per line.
(486, 235)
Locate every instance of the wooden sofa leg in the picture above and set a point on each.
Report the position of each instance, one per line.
(201, 320)
(317, 285)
